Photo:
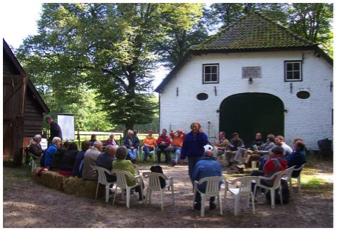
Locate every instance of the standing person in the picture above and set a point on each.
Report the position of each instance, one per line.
(149, 144)
(163, 142)
(193, 147)
(111, 141)
(131, 142)
(90, 157)
(92, 140)
(178, 137)
(55, 130)
(207, 166)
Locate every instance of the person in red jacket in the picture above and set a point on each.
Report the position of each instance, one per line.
(275, 162)
(163, 142)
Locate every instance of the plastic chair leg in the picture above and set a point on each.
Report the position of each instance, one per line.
(220, 203)
(128, 197)
(172, 193)
(115, 195)
(162, 199)
(253, 202)
(272, 197)
(236, 205)
(299, 183)
(202, 210)
(97, 189)
(107, 188)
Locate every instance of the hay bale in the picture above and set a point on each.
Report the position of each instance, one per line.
(50, 179)
(82, 188)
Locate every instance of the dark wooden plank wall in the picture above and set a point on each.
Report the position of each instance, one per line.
(14, 89)
(33, 117)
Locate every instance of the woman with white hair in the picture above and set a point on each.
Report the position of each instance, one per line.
(131, 142)
(50, 152)
(35, 146)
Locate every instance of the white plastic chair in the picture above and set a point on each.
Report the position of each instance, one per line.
(242, 188)
(122, 184)
(34, 160)
(287, 175)
(102, 180)
(154, 185)
(212, 189)
(276, 184)
(140, 157)
(298, 178)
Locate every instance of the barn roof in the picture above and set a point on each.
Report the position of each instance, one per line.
(9, 54)
(252, 33)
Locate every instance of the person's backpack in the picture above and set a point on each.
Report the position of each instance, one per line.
(285, 193)
(158, 169)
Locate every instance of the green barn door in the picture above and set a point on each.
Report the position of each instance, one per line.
(249, 113)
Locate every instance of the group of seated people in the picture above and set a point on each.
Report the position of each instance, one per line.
(274, 156)
(235, 152)
(67, 160)
(164, 145)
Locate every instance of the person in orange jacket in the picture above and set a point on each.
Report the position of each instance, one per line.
(178, 137)
(149, 144)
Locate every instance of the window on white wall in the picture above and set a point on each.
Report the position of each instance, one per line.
(293, 71)
(210, 73)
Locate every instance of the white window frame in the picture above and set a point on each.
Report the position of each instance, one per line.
(211, 73)
(286, 71)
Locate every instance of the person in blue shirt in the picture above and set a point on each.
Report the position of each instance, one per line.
(207, 166)
(193, 147)
(297, 157)
(50, 152)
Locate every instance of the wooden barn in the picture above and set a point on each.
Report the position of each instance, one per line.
(23, 109)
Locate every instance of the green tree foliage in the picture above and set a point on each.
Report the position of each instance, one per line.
(223, 14)
(313, 21)
(108, 47)
(179, 38)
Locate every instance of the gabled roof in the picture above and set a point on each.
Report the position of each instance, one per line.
(8, 52)
(252, 33)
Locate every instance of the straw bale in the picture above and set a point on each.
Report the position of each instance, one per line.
(82, 188)
(50, 179)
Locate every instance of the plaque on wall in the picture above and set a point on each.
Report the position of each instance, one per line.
(251, 72)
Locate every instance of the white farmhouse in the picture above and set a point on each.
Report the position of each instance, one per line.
(253, 76)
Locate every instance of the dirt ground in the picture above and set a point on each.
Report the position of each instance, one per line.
(27, 204)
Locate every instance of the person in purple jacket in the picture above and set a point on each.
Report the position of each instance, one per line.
(193, 147)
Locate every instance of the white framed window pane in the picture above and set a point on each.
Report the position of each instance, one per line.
(214, 77)
(289, 66)
(207, 69)
(214, 69)
(296, 66)
(207, 77)
(296, 75)
(289, 75)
